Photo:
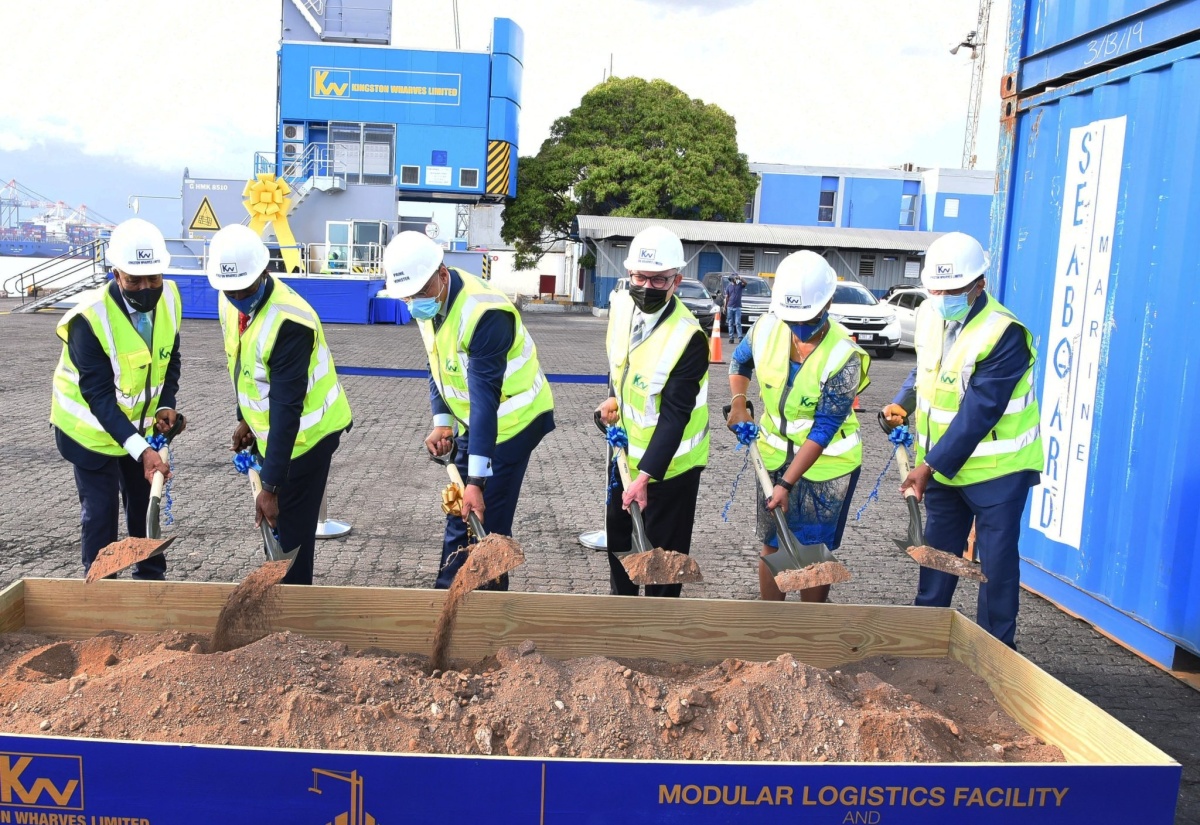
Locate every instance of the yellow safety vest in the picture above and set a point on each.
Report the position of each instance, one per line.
(1015, 443)
(524, 393)
(639, 377)
(138, 371)
(790, 417)
(325, 409)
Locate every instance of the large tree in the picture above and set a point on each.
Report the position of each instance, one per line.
(635, 148)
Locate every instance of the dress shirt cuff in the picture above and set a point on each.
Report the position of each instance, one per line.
(443, 420)
(479, 465)
(135, 445)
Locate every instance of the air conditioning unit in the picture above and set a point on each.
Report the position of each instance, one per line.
(292, 151)
(293, 131)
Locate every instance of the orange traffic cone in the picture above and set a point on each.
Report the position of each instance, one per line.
(714, 343)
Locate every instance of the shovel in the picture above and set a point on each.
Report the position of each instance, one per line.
(815, 566)
(486, 560)
(915, 546)
(646, 564)
(115, 557)
(271, 546)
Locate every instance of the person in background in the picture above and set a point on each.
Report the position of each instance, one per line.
(809, 372)
(658, 392)
(484, 378)
(290, 405)
(116, 383)
(733, 307)
(977, 428)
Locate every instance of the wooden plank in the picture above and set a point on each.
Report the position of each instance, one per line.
(12, 607)
(1045, 706)
(563, 626)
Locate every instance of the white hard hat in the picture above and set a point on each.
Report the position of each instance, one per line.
(804, 283)
(236, 257)
(953, 260)
(136, 247)
(655, 249)
(409, 260)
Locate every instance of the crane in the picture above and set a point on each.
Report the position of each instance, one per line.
(976, 41)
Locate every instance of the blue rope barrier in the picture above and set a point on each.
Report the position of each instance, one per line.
(616, 437)
(746, 432)
(902, 438)
(157, 442)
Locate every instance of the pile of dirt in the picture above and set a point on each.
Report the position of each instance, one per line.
(660, 566)
(815, 575)
(290, 691)
(946, 562)
(246, 615)
(112, 558)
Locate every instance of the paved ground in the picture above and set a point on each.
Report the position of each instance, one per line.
(385, 487)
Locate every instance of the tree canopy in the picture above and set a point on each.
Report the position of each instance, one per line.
(633, 148)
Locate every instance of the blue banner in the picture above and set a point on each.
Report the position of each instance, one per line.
(60, 781)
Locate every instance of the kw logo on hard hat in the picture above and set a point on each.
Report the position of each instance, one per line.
(40, 780)
(795, 301)
(945, 269)
(646, 254)
(229, 269)
(325, 86)
(145, 256)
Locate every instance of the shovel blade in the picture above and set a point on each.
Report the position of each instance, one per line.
(153, 516)
(115, 557)
(797, 557)
(944, 562)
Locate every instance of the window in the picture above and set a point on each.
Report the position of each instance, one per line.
(951, 209)
(866, 266)
(746, 259)
(410, 175)
(364, 152)
(908, 210)
(828, 201)
(848, 293)
(468, 178)
(912, 268)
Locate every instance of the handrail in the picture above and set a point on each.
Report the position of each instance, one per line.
(318, 159)
(15, 282)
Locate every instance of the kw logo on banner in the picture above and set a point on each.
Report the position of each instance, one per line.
(498, 165)
(356, 815)
(325, 86)
(39, 780)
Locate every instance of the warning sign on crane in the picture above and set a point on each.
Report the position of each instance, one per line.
(205, 219)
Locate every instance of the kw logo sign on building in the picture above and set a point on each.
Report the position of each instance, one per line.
(385, 86)
(324, 86)
(38, 780)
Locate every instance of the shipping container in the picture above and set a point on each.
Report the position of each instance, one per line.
(1097, 249)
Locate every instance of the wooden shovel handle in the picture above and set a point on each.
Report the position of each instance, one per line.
(902, 463)
(156, 486)
(255, 482)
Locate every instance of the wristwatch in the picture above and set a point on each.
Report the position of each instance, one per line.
(273, 489)
(478, 481)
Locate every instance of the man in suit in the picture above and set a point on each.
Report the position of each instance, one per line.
(115, 384)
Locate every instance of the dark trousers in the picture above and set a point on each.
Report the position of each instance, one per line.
(102, 492)
(949, 513)
(300, 506)
(500, 497)
(669, 515)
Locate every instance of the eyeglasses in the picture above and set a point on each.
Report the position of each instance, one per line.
(433, 283)
(655, 281)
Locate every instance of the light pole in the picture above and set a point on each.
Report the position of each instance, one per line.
(134, 202)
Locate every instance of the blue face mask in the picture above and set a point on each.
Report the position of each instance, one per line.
(808, 330)
(951, 307)
(247, 305)
(425, 309)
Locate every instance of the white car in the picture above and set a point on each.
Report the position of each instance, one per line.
(905, 303)
(873, 324)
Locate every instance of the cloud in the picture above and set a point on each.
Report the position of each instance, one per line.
(13, 143)
(699, 5)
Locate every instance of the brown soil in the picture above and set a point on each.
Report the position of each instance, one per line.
(115, 557)
(290, 691)
(489, 558)
(815, 575)
(946, 562)
(246, 616)
(660, 566)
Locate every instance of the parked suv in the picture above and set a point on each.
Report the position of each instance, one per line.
(874, 325)
(905, 302)
(756, 299)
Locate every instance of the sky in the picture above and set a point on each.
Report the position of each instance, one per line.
(104, 100)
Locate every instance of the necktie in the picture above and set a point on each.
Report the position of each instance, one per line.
(952, 330)
(639, 332)
(145, 326)
(243, 322)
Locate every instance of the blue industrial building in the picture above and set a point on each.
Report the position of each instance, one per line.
(913, 199)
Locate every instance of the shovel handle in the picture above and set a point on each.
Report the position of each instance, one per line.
(785, 535)
(641, 542)
(902, 463)
(156, 486)
(472, 518)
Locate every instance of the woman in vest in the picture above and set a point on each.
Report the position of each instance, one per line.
(291, 407)
(809, 372)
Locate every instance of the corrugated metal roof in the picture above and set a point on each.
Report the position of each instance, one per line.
(761, 234)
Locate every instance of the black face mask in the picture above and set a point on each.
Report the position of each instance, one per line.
(143, 300)
(647, 299)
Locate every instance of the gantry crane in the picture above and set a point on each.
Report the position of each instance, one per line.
(356, 815)
(976, 41)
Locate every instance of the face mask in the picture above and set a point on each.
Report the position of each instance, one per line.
(247, 305)
(951, 307)
(808, 330)
(647, 299)
(425, 309)
(143, 300)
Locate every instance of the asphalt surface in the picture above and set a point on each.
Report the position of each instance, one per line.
(389, 491)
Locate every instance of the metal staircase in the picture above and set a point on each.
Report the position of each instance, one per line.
(317, 169)
(58, 278)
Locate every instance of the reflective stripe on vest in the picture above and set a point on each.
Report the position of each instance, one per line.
(325, 409)
(524, 392)
(786, 420)
(1014, 443)
(139, 371)
(638, 377)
